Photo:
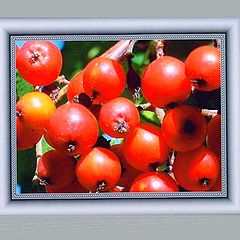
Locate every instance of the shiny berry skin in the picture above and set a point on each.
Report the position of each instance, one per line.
(214, 135)
(154, 182)
(128, 173)
(203, 68)
(104, 79)
(26, 137)
(117, 189)
(55, 169)
(118, 117)
(164, 82)
(75, 86)
(39, 62)
(72, 129)
(99, 169)
(73, 187)
(17, 51)
(144, 148)
(34, 109)
(196, 170)
(184, 128)
(218, 185)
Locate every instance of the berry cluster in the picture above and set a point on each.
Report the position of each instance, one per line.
(180, 153)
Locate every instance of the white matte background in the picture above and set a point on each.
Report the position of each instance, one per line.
(120, 227)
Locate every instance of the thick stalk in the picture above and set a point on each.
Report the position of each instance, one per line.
(120, 50)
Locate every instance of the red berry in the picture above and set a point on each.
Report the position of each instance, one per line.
(75, 86)
(27, 137)
(203, 68)
(218, 185)
(55, 169)
(39, 62)
(184, 128)
(72, 129)
(196, 170)
(118, 117)
(34, 109)
(144, 148)
(154, 182)
(164, 82)
(128, 173)
(214, 135)
(99, 169)
(104, 79)
(117, 189)
(73, 187)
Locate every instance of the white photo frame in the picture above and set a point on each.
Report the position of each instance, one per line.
(226, 201)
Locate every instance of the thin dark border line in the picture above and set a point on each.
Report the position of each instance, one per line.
(222, 35)
(107, 33)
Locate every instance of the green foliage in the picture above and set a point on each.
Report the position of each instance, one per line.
(45, 146)
(22, 87)
(26, 165)
(76, 55)
(149, 117)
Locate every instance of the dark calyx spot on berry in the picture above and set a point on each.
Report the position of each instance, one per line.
(44, 181)
(154, 166)
(101, 186)
(189, 127)
(120, 125)
(34, 58)
(204, 182)
(95, 94)
(71, 146)
(172, 105)
(18, 114)
(199, 82)
(83, 99)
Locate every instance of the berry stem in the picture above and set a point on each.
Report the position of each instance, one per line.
(62, 93)
(209, 113)
(39, 152)
(120, 50)
(101, 186)
(217, 43)
(62, 80)
(172, 158)
(159, 48)
(160, 114)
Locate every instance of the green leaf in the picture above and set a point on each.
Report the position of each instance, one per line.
(149, 117)
(22, 87)
(115, 141)
(45, 146)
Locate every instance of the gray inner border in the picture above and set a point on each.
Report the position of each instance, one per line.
(123, 195)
